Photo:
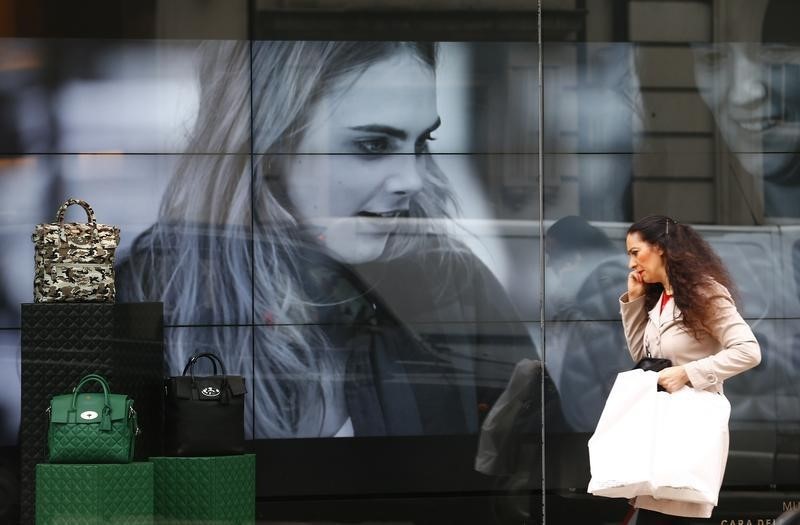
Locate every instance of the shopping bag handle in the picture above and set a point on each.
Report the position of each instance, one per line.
(105, 421)
(82, 203)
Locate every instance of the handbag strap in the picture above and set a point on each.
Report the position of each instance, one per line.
(85, 205)
(105, 421)
(215, 360)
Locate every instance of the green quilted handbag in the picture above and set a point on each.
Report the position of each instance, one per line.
(91, 427)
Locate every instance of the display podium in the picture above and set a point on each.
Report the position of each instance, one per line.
(62, 342)
(94, 494)
(218, 489)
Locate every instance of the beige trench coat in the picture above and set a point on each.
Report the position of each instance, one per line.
(729, 348)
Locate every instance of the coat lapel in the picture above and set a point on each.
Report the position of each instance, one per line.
(662, 318)
(654, 314)
(670, 313)
(661, 322)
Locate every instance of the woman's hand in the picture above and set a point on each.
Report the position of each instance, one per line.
(673, 378)
(635, 286)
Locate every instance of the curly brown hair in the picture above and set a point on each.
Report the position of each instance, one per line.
(692, 268)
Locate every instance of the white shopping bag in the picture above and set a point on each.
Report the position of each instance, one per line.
(691, 445)
(623, 445)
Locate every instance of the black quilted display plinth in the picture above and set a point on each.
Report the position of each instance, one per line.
(63, 342)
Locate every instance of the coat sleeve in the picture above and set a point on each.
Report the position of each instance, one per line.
(740, 349)
(634, 321)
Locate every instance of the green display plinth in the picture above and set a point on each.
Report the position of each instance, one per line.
(94, 494)
(219, 490)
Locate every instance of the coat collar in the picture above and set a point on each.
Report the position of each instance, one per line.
(670, 312)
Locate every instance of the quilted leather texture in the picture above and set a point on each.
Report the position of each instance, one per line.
(62, 343)
(86, 443)
(94, 494)
(191, 490)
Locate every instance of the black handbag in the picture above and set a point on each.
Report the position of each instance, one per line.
(204, 415)
(653, 364)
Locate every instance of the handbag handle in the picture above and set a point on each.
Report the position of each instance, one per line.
(85, 205)
(105, 421)
(215, 360)
(211, 357)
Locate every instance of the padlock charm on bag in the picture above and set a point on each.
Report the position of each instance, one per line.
(74, 261)
(87, 427)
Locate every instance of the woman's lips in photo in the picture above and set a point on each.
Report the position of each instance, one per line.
(757, 125)
(381, 222)
(391, 214)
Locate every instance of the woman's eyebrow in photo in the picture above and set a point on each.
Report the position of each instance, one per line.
(392, 131)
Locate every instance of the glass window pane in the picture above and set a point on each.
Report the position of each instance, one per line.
(684, 109)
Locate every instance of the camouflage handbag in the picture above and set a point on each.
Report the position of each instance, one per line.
(74, 261)
(87, 427)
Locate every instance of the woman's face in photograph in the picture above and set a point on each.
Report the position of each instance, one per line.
(362, 158)
(752, 88)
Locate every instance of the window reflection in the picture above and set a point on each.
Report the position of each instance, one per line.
(585, 344)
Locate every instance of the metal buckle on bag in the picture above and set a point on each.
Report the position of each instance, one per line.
(210, 391)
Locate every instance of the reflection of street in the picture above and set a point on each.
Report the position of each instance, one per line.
(584, 337)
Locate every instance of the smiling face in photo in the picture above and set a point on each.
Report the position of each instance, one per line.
(362, 159)
(752, 86)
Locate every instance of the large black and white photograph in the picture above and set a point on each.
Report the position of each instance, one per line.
(424, 244)
(313, 212)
